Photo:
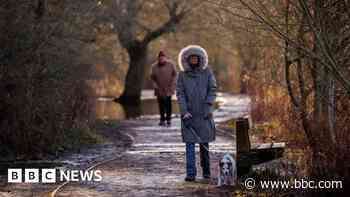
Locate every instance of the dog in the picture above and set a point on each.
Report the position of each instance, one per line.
(227, 171)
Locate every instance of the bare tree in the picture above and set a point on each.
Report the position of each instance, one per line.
(315, 36)
(135, 37)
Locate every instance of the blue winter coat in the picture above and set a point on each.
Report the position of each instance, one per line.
(196, 93)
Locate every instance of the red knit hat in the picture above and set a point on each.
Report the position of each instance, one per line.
(161, 53)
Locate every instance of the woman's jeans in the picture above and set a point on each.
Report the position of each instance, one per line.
(191, 170)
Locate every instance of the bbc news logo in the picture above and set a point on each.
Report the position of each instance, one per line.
(16, 175)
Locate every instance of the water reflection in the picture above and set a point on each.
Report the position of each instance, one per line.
(107, 109)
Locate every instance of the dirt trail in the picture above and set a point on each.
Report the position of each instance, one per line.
(154, 164)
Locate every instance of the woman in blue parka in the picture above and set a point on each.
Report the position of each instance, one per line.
(196, 93)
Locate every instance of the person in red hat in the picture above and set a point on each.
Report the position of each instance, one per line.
(163, 76)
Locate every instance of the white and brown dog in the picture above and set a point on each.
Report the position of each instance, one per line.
(227, 171)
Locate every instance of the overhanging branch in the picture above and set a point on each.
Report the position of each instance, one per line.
(174, 19)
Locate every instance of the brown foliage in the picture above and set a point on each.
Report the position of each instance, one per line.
(314, 40)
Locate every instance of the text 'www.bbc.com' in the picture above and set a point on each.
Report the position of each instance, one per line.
(250, 184)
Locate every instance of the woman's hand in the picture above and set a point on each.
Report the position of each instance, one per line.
(187, 116)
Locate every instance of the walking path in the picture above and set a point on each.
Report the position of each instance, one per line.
(153, 165)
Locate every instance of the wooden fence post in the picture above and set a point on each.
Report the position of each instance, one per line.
(242, 136)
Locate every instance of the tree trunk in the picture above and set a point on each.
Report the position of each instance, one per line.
(323, 115)
(243, 81)
(135, 75)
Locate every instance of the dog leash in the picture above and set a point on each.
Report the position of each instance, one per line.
(189, 126)
(198, 138)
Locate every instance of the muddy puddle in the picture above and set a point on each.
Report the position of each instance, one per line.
(107, 109)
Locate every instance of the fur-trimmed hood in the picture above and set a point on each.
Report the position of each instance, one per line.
(192, 50)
